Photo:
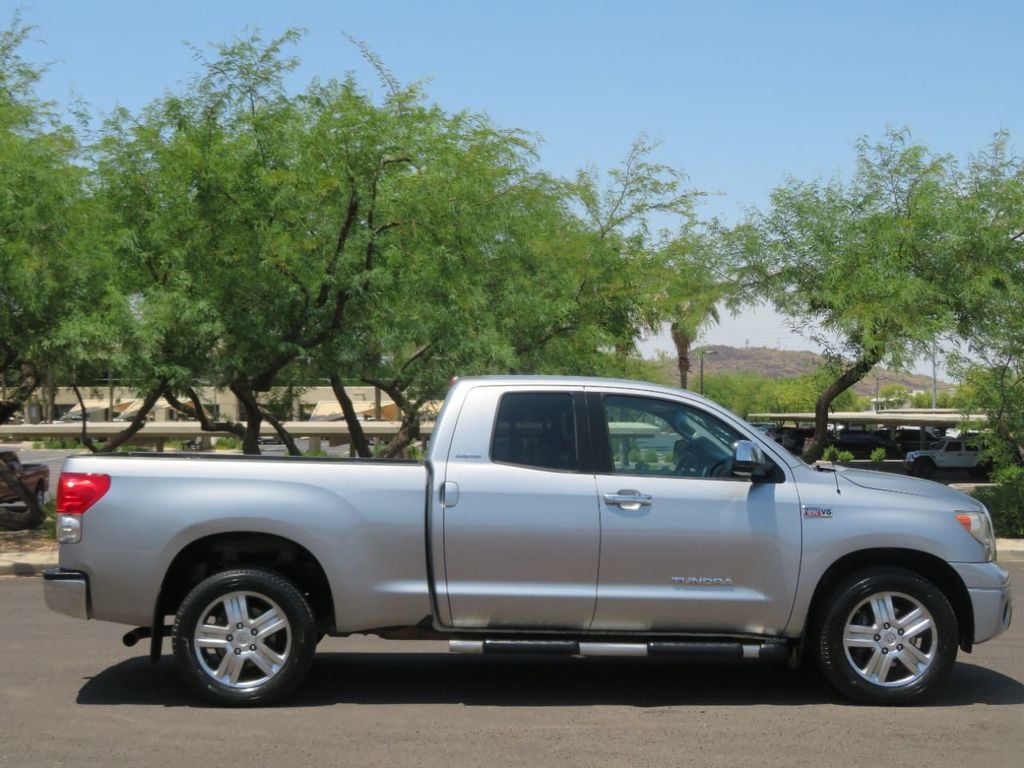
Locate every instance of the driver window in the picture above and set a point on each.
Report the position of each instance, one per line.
(658, 437)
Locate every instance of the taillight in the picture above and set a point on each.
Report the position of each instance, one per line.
(78, 491)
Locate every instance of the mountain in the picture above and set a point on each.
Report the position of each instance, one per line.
(782, 364)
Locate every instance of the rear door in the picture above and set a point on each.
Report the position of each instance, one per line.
(521, 524)
(685, 545)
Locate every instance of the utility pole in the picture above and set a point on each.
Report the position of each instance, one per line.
(700, 356)
(935, 391)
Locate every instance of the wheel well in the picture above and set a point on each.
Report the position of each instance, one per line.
(212, 554)
(936, 570)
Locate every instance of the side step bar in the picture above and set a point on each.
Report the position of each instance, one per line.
(707, 651)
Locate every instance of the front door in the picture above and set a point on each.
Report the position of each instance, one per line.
(521, 520)
(685, 545)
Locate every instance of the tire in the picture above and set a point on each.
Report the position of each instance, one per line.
(244, 637)
(886, 636)
(40, 495)
(923, 468)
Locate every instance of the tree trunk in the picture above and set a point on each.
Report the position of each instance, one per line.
(14, 519)
(196, 411)
(846, 379)
(407, 432)
(682, 340)
(355, 427)
(14, 400)
(138, 421)
(284, 434)
(253, 417)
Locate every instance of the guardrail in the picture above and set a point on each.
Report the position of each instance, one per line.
(157, 432)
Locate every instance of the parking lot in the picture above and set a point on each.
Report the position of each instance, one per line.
(71, 694)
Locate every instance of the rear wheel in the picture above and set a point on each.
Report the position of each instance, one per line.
(888, 636)
(40, 495)
(244, 637)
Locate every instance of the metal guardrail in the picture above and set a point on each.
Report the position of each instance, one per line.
(335, 432)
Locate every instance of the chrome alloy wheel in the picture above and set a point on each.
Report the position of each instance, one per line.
(890, 639)
(243, 640)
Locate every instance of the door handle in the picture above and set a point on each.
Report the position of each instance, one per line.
(628, 500)
(450, 493)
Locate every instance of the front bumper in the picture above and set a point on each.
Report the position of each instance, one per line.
(988, 585)
(67, 592)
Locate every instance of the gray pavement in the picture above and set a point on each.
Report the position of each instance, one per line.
(72, 695)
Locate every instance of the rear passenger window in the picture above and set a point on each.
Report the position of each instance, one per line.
(536, 429)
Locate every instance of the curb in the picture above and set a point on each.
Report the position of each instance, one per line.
(26, 563)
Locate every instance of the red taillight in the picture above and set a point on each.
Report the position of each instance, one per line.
(78, 491)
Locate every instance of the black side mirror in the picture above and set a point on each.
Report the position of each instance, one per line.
(748, 460)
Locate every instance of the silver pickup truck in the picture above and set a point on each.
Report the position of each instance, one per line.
(571, 516)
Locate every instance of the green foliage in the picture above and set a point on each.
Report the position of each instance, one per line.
(51, 277)
(746, 393)
(1005, 503)
(49, 526)
(878, 455)
(227, 443)
(832, 453)
(866, 269)
(894, 396)
(58, 443)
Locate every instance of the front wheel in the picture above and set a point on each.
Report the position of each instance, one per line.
(887, 636)
(923, 467)
(244, 637)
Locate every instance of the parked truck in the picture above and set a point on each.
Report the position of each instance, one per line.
(573, 516)
(34, 477)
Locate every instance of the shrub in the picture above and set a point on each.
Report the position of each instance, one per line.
(878, 454)
(49, 526)
(1005, 502)
(227, 443)
(833, 454)
(51, 443)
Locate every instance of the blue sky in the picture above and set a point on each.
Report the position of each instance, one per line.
(738, 94)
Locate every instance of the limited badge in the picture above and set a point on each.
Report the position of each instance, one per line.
(825, 512)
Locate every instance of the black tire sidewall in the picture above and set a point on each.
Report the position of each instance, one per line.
(828, 640)
(275, 587)
(924, 467)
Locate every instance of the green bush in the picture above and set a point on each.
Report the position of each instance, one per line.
(1005, 502)
(58, 442)
(878, 454)
(227, 443)
(49, 526)
(831, 453)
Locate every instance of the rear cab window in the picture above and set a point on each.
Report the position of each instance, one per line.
(538, 430)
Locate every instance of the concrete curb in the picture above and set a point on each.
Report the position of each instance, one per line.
(27, 563)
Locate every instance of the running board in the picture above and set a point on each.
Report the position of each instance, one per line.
(706, 651)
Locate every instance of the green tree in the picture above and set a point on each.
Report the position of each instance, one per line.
(48, 277)
(864, 268)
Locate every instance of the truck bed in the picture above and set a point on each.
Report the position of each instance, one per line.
(362, 519)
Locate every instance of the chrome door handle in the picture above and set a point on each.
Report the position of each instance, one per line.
(630, 501)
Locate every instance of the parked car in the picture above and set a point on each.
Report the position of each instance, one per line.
(909, 438)
(565, 516)
(946, 454)
(35, 477)
(862, 443)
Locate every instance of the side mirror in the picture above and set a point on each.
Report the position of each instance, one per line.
(748, 460)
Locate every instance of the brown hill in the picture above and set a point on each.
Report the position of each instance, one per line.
(783, 364)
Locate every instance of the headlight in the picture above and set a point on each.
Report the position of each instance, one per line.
(979, 526)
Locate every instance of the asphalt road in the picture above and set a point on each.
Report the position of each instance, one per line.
(72, 695)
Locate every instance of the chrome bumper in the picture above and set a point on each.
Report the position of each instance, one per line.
(988, 585)
(67, 592)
